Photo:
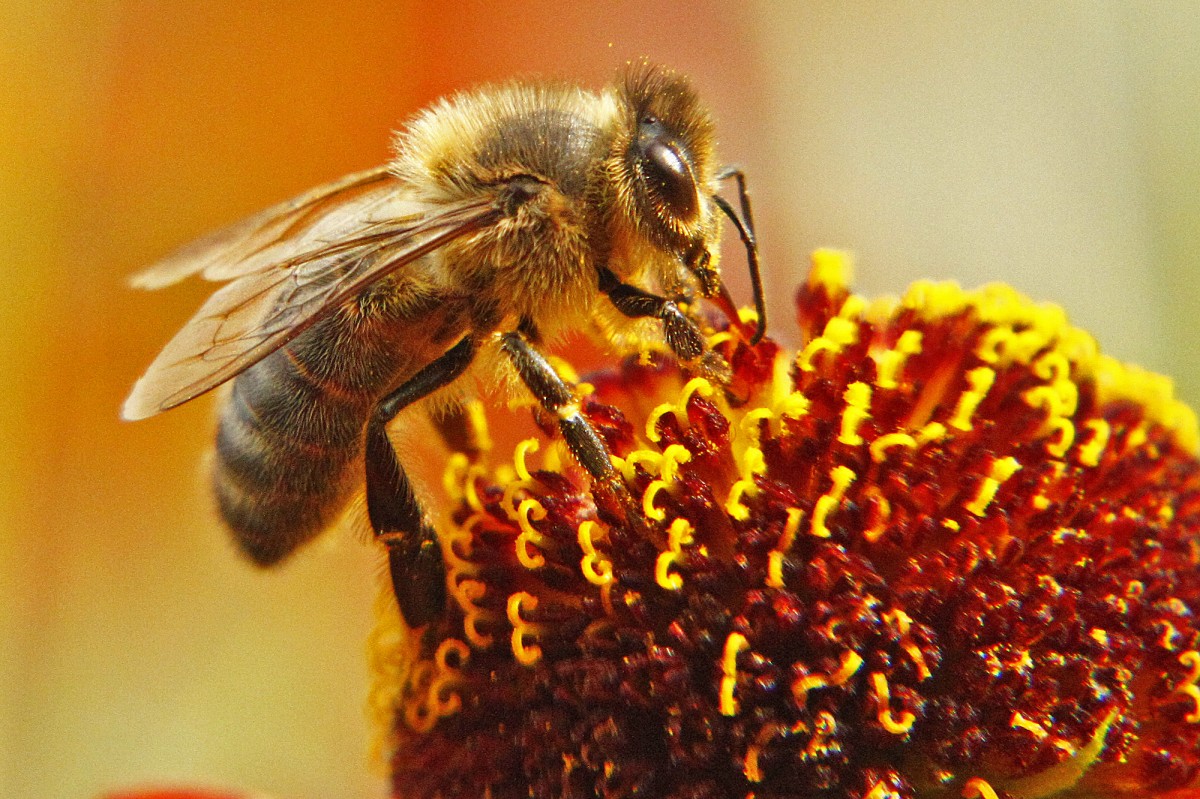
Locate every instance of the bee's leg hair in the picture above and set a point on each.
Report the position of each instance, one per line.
(414, 554)
(745, 229)
(680, 333)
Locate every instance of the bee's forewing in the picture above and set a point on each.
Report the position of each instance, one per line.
(255, 242)
(287, 270)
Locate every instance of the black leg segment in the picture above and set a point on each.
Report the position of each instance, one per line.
(414, 555)
(745, 229)
(557, 398)
(680, 333)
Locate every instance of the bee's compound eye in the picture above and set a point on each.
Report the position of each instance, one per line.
(670, 178)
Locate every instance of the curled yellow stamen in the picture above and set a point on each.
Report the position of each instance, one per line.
(451, 648)
(524, 653)
(454, 475)
(652, 420)
(934, 431)
(978, 788)
(597, 569)
(824, 728)
(1188, 687)
(1063, 436)
(719, 338)
(648, 507)
(851, 663)
(838, 334)
(1019, 722)
(980, 380)
(417, 714)
(996, 344)
(881, 445)
(1052, 367)
(697, 385)
(524, 448)
(793, 406)
(733, 503)
(842, 477)
(440, 699)
(1089, 453)
(918, 659)
(474, 473)
(891, 723)
(672, 457)
(465, 594)
(665, 463)
(891, 362)
(1166, 638)
(1057, 399)
(749, 426)
(879, 521)
(1002, 469)
(858, 410)
(750, 762)
(646, 457)
(734, 645)
(898, 617)
(752, 463)
(530, 536)
(775, 558)
(678, 536)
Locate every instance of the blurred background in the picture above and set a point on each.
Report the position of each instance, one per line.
(1052, 146)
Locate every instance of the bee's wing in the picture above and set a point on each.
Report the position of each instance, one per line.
(271, 235)
(280, 286)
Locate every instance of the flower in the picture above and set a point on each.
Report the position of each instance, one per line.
(946, 549)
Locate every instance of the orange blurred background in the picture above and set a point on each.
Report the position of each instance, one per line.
(1055, 148)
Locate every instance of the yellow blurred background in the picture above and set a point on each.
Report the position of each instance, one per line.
(1053, 146)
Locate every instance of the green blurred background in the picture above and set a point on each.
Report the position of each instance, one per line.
(1052, 146)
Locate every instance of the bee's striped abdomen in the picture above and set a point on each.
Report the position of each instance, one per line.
(285, 447)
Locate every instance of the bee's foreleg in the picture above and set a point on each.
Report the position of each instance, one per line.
(414, 555)
(680, 333)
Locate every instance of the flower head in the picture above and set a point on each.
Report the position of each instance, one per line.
(945, 549)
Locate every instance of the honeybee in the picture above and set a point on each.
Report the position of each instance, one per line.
(509, 215)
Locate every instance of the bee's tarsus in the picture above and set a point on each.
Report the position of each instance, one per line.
(680, 332)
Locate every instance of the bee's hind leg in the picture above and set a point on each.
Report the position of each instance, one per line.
(414, 554)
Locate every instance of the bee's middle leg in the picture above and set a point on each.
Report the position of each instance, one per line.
(556, 397)
(414, 554)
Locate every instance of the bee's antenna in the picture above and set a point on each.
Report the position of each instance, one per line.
(745, 229)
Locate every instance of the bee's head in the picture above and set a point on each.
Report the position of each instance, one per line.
(662, 167)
